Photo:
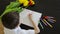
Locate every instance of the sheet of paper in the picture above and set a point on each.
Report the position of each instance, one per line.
(24, 17)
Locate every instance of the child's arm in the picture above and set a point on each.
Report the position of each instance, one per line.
(37, 30)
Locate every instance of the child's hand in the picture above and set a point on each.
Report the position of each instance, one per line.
(30, 15)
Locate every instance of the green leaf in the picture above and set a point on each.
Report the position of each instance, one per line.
(13, 5)
(20, 10)
(13, 9)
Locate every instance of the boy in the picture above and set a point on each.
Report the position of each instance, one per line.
(11, 24)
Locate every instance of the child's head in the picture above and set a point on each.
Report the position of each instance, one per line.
(10, 20)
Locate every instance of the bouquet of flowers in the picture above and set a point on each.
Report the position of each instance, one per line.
(15, 6)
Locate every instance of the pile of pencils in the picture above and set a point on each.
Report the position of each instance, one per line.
(46, 20)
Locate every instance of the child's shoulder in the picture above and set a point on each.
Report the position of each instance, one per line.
(18, 30)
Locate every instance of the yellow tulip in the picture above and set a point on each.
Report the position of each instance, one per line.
(22, 1)
(26, 3)
(33, 2)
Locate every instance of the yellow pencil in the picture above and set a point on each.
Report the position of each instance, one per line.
(43, 22)
(48, 23)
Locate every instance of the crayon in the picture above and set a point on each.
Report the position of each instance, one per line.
(41, 25)
(48, 17)
(51, 20)
(43, 22)
(48, 23)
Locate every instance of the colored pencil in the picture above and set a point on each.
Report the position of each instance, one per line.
(48, 23)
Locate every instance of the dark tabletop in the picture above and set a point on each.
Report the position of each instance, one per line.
(46, 7)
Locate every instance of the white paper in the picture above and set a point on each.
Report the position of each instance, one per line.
(24, 17)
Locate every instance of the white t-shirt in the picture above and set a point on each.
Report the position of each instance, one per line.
(18, 30)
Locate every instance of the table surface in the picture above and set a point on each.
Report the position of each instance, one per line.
(47, 7)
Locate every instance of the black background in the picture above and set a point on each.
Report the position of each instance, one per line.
(46, 7)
